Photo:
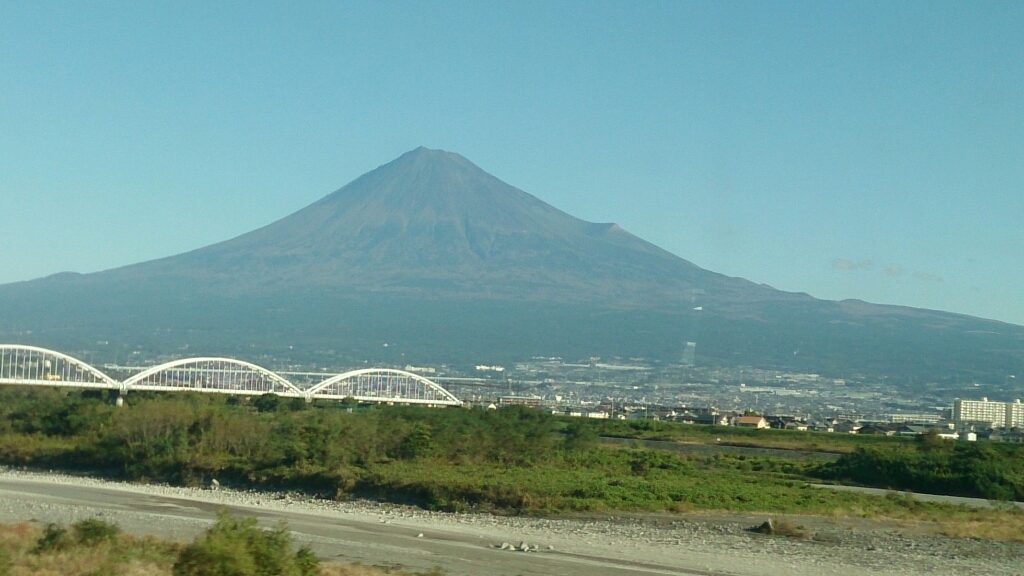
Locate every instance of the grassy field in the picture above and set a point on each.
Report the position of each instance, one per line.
(746, 437)
(23, 551)
(598, 483)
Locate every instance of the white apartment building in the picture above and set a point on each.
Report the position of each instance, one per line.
(1015, 414)
(998, 414)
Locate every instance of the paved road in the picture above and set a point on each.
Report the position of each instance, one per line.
(334, 538)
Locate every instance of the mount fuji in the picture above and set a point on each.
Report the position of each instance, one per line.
(444, 262)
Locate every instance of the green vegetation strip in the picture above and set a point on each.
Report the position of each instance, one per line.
(514, 461)
(742, 437)
(711, 449)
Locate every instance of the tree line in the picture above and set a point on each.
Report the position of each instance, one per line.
(517, 459)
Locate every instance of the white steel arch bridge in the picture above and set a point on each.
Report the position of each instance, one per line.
(34, 366)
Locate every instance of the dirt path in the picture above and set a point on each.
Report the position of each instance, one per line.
(954, 500)
(470, 544)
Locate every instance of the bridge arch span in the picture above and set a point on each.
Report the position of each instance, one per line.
(31, 365)
(223, 375)
(383, 385)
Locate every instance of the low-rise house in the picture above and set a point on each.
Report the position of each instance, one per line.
(638, 415)
(687, 418)
(1016, 436)
(786, 423)
(913, 430)
(758, 422)
(847, 427)
(713, 419)
(877, 430)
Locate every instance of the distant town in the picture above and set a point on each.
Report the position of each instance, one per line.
(634, 388)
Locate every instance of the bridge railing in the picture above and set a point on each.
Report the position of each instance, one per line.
(28, 365)
(217, 375)
(33, 366)
(384, 385)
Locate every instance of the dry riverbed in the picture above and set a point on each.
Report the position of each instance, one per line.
(474, 544)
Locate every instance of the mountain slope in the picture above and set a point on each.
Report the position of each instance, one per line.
(432, 224)
(434, 254)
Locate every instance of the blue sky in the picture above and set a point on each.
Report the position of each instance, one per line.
(870, 150)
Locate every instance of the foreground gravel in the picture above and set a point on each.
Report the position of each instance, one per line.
(418, 539)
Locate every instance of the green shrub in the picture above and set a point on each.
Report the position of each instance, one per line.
(268, 402)
(419, 442)
(233, 547)
(93, 531)
(54, 538)
(580, 436)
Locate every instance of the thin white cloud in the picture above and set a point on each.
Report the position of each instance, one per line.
(844, 264)
(894, 270)
(928, 277)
